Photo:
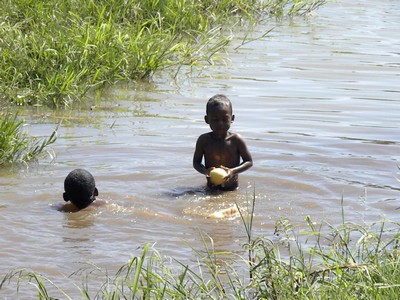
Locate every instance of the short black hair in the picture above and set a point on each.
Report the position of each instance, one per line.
(79, 188)
(218, 101)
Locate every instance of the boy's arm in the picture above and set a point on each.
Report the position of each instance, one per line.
(198, 157)
(244, 152)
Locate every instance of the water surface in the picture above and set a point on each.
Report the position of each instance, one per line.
(316, 101)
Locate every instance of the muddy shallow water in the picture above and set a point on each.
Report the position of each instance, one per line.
(316, 101)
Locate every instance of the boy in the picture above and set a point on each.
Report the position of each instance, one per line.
(80, 190)
(220, 147)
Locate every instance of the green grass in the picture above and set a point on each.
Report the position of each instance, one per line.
(16, 145)
(54, 52)
(348, 261)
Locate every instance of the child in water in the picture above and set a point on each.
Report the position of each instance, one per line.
(80, 190)
(220, 147)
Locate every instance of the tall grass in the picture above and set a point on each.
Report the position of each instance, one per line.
(348, 261)
(345, 262)
(53, 52)
(283, 8)
(16, 145)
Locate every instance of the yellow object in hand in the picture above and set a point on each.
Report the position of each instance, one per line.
(217, 176)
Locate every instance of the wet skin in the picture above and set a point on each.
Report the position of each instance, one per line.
(222, 148)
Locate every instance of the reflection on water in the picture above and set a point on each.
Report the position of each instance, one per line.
(316, 101)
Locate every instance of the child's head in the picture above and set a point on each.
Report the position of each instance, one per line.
(218, 102)
(219, 114)
(80, 188)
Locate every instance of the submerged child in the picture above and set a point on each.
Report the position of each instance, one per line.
(80, 190)
(220, 147)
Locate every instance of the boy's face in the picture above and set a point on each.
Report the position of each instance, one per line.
(220, 119)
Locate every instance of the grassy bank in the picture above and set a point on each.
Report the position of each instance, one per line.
(54, 52)
(349, 261)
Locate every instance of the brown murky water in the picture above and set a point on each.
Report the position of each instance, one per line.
(317, 102)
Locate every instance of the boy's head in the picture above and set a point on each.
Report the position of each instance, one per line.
(219, 114)
(80, 188)
(218, 102)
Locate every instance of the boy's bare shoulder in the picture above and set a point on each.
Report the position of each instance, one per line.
(70, 207)
(204, 137)
(235, 136)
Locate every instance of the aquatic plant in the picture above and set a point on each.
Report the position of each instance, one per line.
(54, 52)
(283, 8)
(349, 261)
(16, 146)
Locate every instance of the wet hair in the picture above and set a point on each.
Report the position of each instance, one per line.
(218, 101)
(80, 188)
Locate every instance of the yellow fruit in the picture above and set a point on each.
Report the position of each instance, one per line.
(217, 176)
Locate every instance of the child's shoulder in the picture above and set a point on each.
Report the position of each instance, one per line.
(70, 207)
(234, 135)
(236, 138)
(205, 136)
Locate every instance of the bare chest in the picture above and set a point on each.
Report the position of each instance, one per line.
(221, 153)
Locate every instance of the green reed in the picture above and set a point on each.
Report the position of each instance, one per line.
(281, 8)
(16, 146)
(349, 261)
(54, 52)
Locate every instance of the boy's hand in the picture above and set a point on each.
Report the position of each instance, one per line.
(228, 172)
(225, 178)
(208, 172)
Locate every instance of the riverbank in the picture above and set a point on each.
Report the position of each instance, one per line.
(54, 53)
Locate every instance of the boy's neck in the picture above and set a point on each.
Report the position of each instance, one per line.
(219, 136)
